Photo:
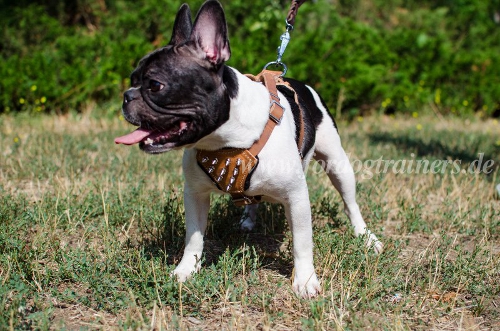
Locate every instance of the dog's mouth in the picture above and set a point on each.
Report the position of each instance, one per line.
(156, 140)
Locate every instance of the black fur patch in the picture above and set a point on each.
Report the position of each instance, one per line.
(311, 114)
(230, 81)
(330, 114)
(308, 135)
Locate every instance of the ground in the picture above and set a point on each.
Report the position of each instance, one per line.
(90, 232)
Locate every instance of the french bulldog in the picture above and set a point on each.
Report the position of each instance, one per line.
(183, 95)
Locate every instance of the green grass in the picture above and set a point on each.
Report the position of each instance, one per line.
(90, 231)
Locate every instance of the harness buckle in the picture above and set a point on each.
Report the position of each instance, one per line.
(274, 118)
(246, 200)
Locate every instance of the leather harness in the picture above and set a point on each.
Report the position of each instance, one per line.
(231, 168)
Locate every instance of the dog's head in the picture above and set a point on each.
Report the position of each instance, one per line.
(181, 92)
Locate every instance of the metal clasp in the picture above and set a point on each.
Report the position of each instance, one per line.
(285, 39)
(276, 63)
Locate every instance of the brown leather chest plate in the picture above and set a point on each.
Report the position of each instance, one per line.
(228, 168)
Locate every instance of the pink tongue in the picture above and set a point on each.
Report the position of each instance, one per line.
(133, 138)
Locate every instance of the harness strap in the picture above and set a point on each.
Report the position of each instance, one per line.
(271, 79)
(267, 77)
(302, 133)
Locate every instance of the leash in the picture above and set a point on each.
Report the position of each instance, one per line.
(294, 8)
(285, 37)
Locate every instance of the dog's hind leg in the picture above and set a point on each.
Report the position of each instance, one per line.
(247, 221)
(332, 157)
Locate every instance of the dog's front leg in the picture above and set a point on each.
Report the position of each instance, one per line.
(196, 206)
(298, 213)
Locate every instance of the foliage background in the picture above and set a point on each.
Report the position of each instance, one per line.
(361, 55)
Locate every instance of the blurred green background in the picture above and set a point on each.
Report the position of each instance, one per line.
(363, 56)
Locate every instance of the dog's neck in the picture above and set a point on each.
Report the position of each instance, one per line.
(248, 114)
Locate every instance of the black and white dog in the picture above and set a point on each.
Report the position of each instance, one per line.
(183, 95)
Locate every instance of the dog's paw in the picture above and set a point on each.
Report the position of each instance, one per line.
(373, 242)
(307, 288)
(249, 217)
(247, 224)
(183, 273)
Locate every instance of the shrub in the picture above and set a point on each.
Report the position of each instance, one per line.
(361, 55)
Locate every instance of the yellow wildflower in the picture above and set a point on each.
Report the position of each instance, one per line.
(437, 97)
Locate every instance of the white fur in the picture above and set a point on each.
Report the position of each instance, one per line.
(279, 177)
(245, 124)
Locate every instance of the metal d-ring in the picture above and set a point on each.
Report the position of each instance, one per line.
(277, 63)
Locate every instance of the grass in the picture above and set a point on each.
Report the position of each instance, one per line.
(90, 231)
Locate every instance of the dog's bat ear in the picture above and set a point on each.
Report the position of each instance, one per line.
(182, 26)
(210, 32)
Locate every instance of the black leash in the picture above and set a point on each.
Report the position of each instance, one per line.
(285, 37)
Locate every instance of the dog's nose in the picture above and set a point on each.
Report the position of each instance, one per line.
(130, 95)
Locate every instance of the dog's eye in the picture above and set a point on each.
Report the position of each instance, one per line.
(155, 86)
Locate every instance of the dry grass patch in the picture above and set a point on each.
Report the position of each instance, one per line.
(89, 233)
